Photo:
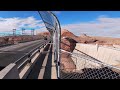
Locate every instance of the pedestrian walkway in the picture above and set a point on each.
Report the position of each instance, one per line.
(45, 67)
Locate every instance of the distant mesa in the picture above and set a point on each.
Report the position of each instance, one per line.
(17, 39)
(67, 33)
(86, 39)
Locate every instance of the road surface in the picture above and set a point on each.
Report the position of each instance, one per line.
(12, 53)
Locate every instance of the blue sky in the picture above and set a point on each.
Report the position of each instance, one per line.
(22, 14)
(67, 17)
(96, 23)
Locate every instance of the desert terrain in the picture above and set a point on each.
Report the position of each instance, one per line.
(69, 42)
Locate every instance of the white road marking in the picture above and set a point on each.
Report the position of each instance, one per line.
(12, 47)
(42, 71)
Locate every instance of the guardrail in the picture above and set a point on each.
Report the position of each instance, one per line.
(27, 57)
(22, 67)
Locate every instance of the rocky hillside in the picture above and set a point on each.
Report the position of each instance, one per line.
(14, 39)
(68, 40)
(108, 41)
(68, 43)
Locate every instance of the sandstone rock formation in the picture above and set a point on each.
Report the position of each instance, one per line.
(67, 43)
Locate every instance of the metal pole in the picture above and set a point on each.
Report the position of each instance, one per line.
(59, 43)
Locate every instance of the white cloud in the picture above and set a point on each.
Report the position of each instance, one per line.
(8, 24)
(43, 29)
(102, 26)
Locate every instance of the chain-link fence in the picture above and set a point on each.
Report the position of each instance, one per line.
(87, 67)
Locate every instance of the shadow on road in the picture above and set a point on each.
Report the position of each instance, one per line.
(1, 68)
(36, 69)
(47, 74)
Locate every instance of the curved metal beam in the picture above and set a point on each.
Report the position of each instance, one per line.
(53, 26)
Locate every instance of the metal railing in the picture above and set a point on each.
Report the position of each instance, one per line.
(24, 60)
(53, 26)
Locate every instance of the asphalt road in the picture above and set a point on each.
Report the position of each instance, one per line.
(12, 53)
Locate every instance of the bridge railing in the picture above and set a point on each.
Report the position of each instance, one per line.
(24, 60)
(22, 67)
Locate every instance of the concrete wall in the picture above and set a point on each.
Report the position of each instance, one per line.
(105, 54)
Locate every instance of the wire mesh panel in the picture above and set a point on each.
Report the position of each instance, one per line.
(48, 19)
(88, 68)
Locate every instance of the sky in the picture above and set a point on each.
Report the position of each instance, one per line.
(95, 23)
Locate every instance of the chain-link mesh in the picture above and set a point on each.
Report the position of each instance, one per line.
(87, 67)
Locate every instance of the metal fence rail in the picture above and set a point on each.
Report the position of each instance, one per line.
(23, 61)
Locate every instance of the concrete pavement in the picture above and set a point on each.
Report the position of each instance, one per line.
(11, 53)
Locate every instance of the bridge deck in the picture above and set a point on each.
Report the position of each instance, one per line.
(44, 68)
(12, 53)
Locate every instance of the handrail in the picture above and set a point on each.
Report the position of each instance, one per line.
(26, 54)
(23, 56)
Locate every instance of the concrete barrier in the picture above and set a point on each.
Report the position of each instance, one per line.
(11, 71)
(104, 54)
(25, 72)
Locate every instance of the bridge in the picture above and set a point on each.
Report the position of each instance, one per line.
(34, 59)
(41, 59)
